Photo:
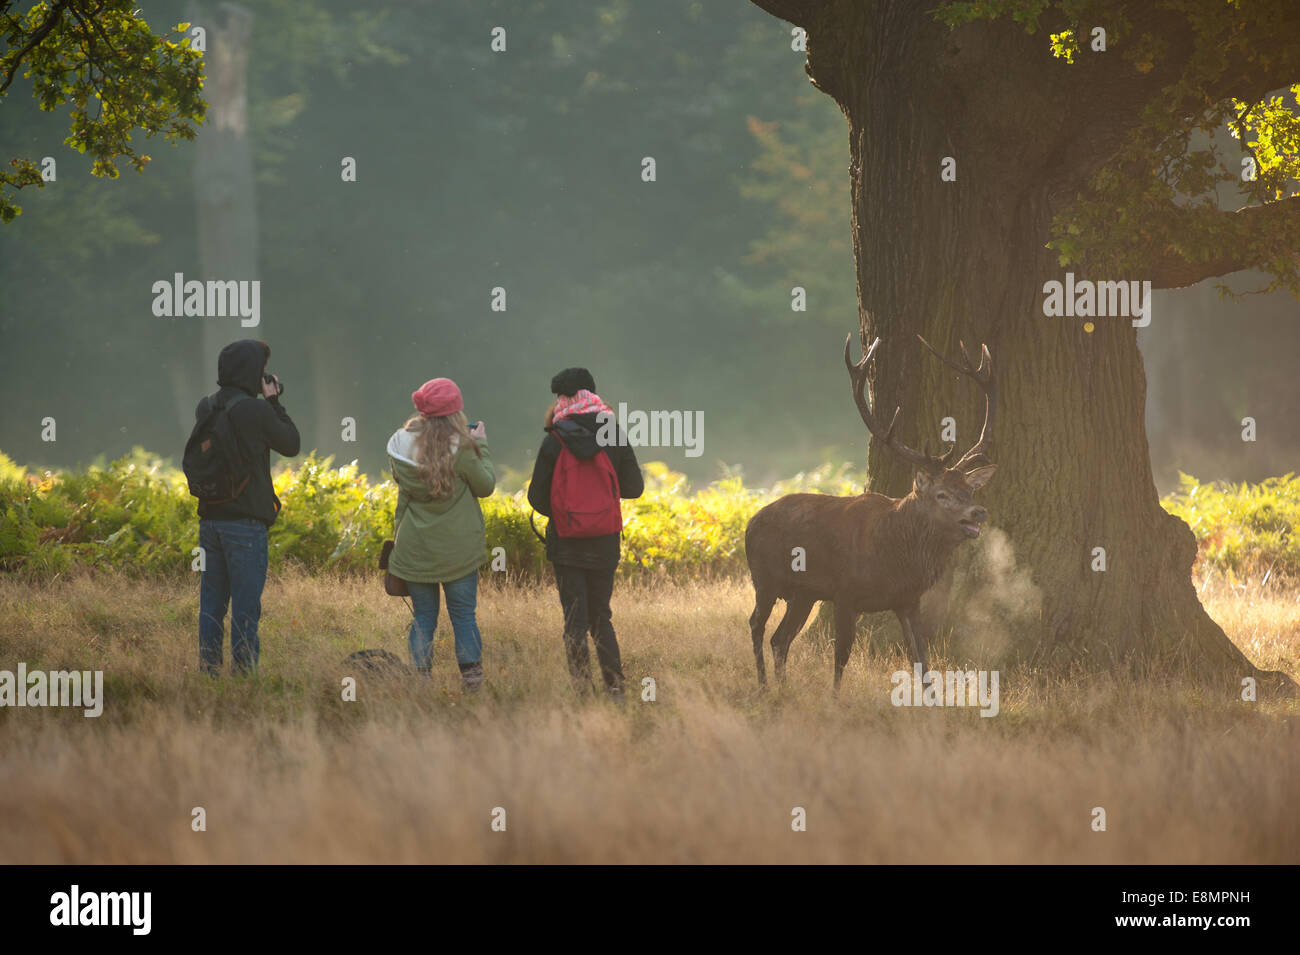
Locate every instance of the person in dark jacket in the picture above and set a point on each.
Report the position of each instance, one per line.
(584, 566)
(233, 534)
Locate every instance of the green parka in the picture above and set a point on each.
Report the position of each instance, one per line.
(438, 539)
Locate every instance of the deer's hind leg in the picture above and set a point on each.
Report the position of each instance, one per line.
(763, 602)
(797, 610)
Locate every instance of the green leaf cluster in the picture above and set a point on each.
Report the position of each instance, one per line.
(1243, 530)
(104, 61)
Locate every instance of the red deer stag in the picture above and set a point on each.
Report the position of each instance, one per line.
(868, 553)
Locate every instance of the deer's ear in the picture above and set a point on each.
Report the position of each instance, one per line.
(920, 482)
(979, 477)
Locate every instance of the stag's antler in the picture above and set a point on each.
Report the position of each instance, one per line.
(978, 455)
(983, 376)
(858, 376)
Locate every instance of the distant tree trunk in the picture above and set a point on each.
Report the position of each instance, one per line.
(333, 369)
(224, 187)
(966, 259)
(185, 391)
(1174, 378)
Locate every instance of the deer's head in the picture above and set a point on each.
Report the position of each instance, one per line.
(942, 491)
(947, 501)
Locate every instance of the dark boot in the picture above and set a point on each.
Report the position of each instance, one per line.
(471, 676)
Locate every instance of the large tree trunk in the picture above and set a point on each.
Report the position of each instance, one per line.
(966, 259)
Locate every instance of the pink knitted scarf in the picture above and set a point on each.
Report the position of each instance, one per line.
(583, 402)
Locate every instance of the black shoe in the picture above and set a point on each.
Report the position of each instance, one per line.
(471, 677)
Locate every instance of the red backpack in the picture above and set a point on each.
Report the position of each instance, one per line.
(584, 496)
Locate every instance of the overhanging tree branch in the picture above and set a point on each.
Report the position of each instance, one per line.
(1171, 269)
(798, 12)
(80, 52)
(40, 33)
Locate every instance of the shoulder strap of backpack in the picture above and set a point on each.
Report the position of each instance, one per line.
(235, 445)
(215, 405)
(609, 468)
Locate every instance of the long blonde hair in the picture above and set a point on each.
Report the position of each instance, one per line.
(433, 453)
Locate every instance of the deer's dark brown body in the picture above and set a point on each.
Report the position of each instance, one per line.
(867, 553)
(851, 547)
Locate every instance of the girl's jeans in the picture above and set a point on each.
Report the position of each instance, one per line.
(462, 597)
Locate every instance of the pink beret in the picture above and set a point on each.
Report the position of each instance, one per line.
(437, 397)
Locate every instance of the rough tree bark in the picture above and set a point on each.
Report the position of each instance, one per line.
(966, 259)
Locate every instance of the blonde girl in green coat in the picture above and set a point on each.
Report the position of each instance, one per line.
(442, 468)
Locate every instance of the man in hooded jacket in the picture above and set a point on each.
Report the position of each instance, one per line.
(233, 534)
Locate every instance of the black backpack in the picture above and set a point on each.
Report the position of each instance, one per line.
(213, 465)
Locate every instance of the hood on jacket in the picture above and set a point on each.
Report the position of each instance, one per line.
(578, 434)
(241, 365)
(406, 472)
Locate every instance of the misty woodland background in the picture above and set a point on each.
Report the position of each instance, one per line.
(521, 170)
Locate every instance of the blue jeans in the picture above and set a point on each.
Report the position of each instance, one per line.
(462, 598)
(234, 574)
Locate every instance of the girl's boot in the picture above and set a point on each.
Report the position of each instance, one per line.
(471, 676)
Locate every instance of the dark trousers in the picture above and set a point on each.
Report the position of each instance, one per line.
(584, 595)
(234, 554)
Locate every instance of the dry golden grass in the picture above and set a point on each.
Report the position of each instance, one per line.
(709, 772)
(1263, 622)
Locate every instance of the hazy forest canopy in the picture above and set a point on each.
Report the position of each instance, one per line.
(477, 170)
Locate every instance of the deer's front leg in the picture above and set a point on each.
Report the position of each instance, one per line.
(846, 617)
(912, 637)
